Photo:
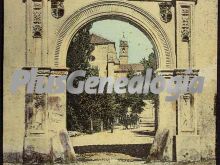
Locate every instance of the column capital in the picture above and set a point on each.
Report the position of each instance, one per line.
(166, 73)
(49, 71)
(190, 1)
(42, 71)
(59, 71)
(183, 72)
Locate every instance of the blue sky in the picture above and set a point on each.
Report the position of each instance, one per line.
(139, 45)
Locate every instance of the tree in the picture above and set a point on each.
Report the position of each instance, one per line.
(85, 110)
(124, 101)
(79, 106)
(152, 63)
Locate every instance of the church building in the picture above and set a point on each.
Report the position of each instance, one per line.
(104, 56)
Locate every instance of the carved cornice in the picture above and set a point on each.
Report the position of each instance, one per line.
(46, 71)
(195, 1)
(183, 72)
(59, 72)
(166, 73)
(165, 0)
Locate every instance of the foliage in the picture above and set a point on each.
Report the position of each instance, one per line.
(86, 108)
(86, 111)
(151, 63)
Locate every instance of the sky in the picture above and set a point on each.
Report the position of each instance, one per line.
(139, 45)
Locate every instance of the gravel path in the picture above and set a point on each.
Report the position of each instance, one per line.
(142, 135)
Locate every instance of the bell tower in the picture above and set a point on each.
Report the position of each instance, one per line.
(123, 54)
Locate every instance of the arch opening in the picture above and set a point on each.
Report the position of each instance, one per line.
(117, 10)
(122, 11)
(94, 123)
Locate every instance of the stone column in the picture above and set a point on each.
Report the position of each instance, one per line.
(46, 138)
(162, 148)
(57, 117)
(167, 118)
(177, 136)
(187, 139)
(36, 139)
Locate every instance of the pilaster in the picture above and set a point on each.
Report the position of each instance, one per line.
(187, 136)
(36, 33)
(36, 140)
(45, 120)
(185, 33)
(167, 118)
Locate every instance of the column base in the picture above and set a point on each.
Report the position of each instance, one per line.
(188, 148)
(37, 150)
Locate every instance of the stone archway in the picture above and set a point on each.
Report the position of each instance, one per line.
(143, 20)
(127, 12)
(55, 119)
(117, 10)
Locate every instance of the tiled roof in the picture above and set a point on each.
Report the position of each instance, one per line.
(95, 39)
(135, 67)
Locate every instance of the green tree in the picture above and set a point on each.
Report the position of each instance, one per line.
(85, 110)
(79, 107)
(151, 63)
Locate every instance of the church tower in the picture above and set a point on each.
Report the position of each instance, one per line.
(123, 53)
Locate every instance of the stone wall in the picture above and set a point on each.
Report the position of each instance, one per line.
(14, 58)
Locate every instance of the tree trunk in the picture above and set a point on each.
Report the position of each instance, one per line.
(102, 126)
(91, 125)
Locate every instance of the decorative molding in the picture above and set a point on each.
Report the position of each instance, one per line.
(182, 72)
(59, 72)
(39, 100)
(43, 71)
(37, 5)
(186, 113)
(35, 113)
(186, 23)
(37, 31)
(165, 11)
(168, 73)
(37, 19)
(165, 73)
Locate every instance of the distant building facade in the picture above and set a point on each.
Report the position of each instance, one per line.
(104, 56)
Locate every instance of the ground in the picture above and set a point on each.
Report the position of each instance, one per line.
(117, 162)
(141, 135)
(121, 147)
(123, 144)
